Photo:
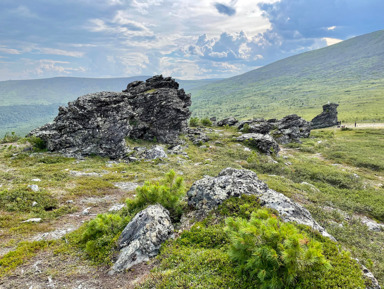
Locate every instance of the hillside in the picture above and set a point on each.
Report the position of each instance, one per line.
(350, 73)
(329, 174)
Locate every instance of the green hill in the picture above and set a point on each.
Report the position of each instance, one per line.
(350, 73)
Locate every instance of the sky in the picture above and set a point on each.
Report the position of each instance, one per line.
(186, 39)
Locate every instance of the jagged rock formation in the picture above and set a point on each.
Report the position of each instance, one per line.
(209, 192)
(288, 129)
(142, 237)
(263, 142)
(230, 121)
(327, 118)
(98, 123)
(197, 136)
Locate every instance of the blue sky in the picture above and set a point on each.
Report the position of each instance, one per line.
(184, 39)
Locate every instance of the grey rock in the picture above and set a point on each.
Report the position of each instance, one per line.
(36, 180)
(98, 123)
(86, 211)
(34, 188)
(157, 152)
(230, 121)
(373, 283)
(53, 235)
(116, 208)
(127, 186)
(85, 174)
(209, 192)
(197, 136)
(372, 225)
(327, 118)
(32, 220)
(142, 237)
(263, 142)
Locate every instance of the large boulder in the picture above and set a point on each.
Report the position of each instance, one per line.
(230, 121)
(98, 123)
(288, 129)
(142, 237)
(327, 118)
(209, 192)
(263, 142)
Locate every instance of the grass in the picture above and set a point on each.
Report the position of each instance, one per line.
(332, 168)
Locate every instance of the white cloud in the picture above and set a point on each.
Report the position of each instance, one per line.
(53, 51)
(331, 28)
(9, 50)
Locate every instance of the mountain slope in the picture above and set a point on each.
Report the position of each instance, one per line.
(350, 73)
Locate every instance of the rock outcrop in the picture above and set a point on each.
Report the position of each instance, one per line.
(263, 142)
(98, 123)
(209, 192)
(327, 118)
(288, 129)
(142, 237)
(230, 121)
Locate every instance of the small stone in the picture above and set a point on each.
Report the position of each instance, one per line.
(69, 202)
(116, 208)
(32, 220)
(34, 188)
(34, 204)
(36, 180)
(86, 211)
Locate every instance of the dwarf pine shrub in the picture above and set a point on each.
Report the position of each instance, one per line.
(272, 253)
(168, 193)
(194, 122)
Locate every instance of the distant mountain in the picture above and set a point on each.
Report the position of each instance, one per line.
(350, 73)
(27, 104)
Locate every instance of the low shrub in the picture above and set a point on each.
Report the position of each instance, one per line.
(8, 138)
(194, 122)
(168, 193)
(272, 253)
(206, 122)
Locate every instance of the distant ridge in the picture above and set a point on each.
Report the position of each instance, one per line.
(350, 73)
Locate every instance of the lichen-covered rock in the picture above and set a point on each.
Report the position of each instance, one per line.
(209, 192)
(142, 237)
(288, 129)
(263, 142)
(327, 118)
(98, 123)
(197, 136)
(371, 281)
(230, 121)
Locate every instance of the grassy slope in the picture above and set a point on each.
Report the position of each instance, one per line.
(307, 174)
(349, 73)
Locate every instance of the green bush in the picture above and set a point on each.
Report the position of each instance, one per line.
(206, 122)
(194, 122)
(21, 200)
(246, 128)
(272, 253)
(37, 143)
(8, 138)
(168, 193)
(100, 235)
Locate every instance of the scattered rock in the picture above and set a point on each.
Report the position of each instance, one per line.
(116, 208)
(34, 188)
(142, 237)
(197, 136)
(86, 211)
(373, 283)
(230, 121)
(36, 180)
(85, 174)
(34, 204)
(98, 123)
(157, 152)
(33, 220)
(126, 186)
(372, 225)
(54, 235)
(209, 192)
(263, 142)
(327, 118)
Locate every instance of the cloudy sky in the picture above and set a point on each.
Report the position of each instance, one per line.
(188, 39)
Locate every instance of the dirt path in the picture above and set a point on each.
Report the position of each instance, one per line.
(365, 125)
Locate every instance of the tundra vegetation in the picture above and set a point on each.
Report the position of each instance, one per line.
(337, 175)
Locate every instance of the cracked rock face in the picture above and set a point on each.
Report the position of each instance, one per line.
(263, 142)
(98, 123)
(142, 237)
(327, 118)
(209, 192)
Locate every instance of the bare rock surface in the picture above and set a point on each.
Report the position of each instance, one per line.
(142, 237)
(230, 121)
(98, 123)
(209, 192)
(327, 118)
(263, 142)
